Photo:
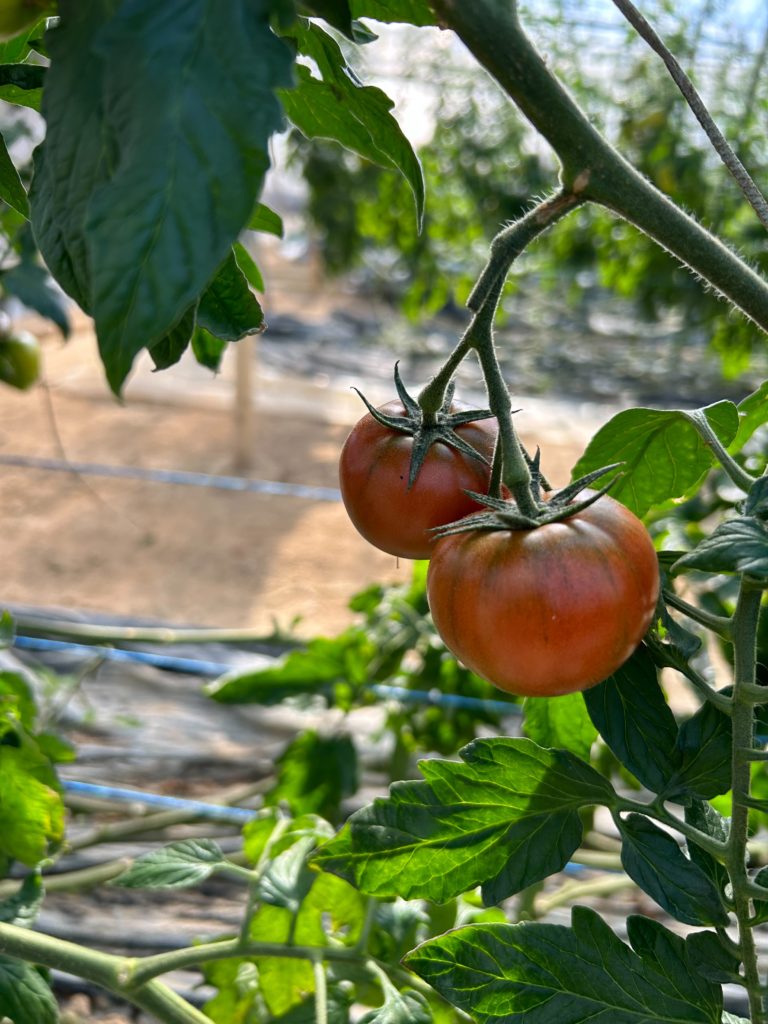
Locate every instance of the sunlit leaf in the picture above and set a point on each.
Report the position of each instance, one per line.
(474, 822)
(662, 453)
(561, 722)
(175, 866)
(536, 973)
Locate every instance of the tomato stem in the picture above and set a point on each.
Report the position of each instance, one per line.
(745, 622)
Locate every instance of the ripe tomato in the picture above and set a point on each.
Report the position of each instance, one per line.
(19, 359)
(549, 610)
(373, 474)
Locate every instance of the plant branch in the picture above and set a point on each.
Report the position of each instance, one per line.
(739, 476)
(591, 167)
(740, 174)
(743, 724)
(719, 624)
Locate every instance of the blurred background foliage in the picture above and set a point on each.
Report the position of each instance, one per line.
(484, 166)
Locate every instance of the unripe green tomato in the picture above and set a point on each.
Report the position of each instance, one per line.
(16, 15)
(19, 359)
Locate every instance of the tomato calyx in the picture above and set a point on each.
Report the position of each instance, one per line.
(501, 514)
(428, 429)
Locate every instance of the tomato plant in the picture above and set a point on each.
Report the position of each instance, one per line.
(169, 109)
(391, 513)
(549, 610)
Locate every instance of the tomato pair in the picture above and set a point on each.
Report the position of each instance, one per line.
(538, 612)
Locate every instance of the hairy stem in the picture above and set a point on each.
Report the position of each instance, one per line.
(591, 167)
(719, 624)
(720, 144)
(743, 722)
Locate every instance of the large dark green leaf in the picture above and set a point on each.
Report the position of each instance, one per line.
(663, 454)
(180, 155)
(170, 348)
(710, 959)
(704, 754)
(560, 722)
(655, 862)
(32, 285)
(76, 153)
(504, 817)
(673, 957)
(737, 545)
(339, 107)
(11, 189)
(548, 974)
(25, 998)
(413, 12)
(175, 866)
(228, 308)
(632, 715)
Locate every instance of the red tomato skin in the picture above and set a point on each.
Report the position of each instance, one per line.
(547, 611)
(373, 475)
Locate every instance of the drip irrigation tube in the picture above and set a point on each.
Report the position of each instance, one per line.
(194, 666)
(175, 476)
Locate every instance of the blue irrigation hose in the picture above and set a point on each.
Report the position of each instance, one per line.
(176, 476)
(194, 666)
(171, 803)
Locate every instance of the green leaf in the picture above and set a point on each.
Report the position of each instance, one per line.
(671, 955)
(22, 908)
(22, 84)
(753, 413)
(756, 503)
(475, 822)
(247, 264)
(31, 808)
(337, 1008)
(7, 629)
(312, 670)
(16, 697)
(737, 545)
(706, 819)
(266, 220)
(70, 163)
(175, 866)
(631, 713)
(259, 832)
(172, 346)
(704, 751)
(335, 12)
(208, 350)
(32, 285)
(413, 12)
(709, 958)
(406, 1007)
(761, 906)
(340, 108)
(315, 773)
(228, 308)
(655, 862)
(159, 158)
(11, 189)
(25, 997)
(536, 973)
(664, 456)
(288, 878)
(560, 722)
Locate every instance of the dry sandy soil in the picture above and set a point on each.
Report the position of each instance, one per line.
(177, 554)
